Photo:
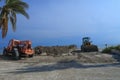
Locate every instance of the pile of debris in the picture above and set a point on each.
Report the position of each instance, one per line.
(54, 50)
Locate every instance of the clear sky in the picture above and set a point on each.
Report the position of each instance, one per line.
(64, 22)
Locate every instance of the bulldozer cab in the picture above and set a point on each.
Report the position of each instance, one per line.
(86, 41)
(87, 46)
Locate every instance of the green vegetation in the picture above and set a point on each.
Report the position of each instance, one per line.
(109, 49)
(9, 11)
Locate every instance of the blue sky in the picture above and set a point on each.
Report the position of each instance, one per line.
(64, 22)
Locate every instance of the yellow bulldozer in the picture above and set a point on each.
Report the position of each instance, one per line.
(87, 46)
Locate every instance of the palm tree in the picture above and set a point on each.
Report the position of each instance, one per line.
(8, 13)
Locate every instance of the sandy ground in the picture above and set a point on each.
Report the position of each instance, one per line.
(83, 67)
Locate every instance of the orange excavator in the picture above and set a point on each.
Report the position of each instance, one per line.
(18, 49)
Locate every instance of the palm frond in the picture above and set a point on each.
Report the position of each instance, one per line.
(19, 7)
(5, 27)
(15, 3)
(22, 4)
(9, 11)
(13, 21)
(24, 13)
(1, 22)
(21, 10)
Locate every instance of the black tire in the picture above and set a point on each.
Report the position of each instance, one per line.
(16, 54)
(95, 48)
(30, 56)
(4, 52)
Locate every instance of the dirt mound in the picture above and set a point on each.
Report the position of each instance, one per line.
(90, 57)
(96, 57)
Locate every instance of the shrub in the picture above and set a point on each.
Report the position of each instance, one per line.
(109, 49)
